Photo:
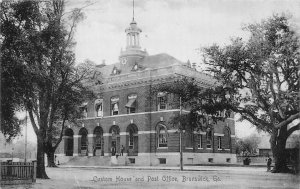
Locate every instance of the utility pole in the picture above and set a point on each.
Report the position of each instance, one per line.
(180, 136)
(26, 138)
(12, 155)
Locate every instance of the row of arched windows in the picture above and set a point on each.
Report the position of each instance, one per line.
(223, 142)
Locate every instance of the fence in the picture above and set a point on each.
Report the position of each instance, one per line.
(17, 172)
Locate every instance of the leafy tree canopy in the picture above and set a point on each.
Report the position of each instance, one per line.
(38, 69)
(257, 78)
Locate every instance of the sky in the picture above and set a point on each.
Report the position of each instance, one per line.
(176, 27)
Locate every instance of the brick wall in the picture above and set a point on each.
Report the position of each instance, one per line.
(146, 119)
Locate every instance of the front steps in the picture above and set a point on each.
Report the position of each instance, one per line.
(100, 161)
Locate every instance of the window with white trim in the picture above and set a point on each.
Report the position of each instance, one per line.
(131, 139)
(83, 109)
(219, 142)
(114, 105)
(162, 137)
(98, 138)
(200, 141)
(99, 107)
(131, 104)
(161, 101)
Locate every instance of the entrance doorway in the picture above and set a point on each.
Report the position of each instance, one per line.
(83, 142)
(132, 140)
(113, 147)
(98, 142)
(114, 140)
(69, 142)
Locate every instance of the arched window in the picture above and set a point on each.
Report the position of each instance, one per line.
(131, 139)
(84, 141)
(114, 105)
(162, 136)
(69, 142)
(98, 137)
(219, 142)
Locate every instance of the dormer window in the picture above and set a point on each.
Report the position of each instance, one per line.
(99, 107)
(114, 105)
(131, 104)
(115, 71)
(162, 101)
(135, 67)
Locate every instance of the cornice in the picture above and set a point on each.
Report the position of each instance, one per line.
(154, 76)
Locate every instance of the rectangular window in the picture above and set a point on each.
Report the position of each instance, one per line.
(131, 104)
(85, 112)
(162, 160)
(162, 101)
(83, 109)
(131, 142)
(114, 105)
(200, 142)
(99, 110)
(132, 160)
(219, 143)
(99, 107)
(210, 160)
(189, 138)
(162, 140)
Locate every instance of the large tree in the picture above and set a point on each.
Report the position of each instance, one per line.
(261, 75)
(258, 79)
(38, 68)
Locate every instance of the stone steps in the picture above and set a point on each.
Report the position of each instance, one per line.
(98, 161)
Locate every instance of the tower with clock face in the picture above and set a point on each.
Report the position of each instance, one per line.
(133, 52)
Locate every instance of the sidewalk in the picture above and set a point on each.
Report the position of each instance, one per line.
(206, 167)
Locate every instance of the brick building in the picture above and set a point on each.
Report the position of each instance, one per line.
(126, 117)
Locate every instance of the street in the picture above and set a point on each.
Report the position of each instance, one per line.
(192, 177)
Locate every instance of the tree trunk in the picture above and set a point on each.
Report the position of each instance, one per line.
(50, 158)
(278, 143)
(41, 172)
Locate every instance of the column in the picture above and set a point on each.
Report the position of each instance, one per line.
(90, 144)
(107, 144)
(134, 39)
(128, 39)
(61, 149)
(138, 39)
(76, 145)
(123, 138)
